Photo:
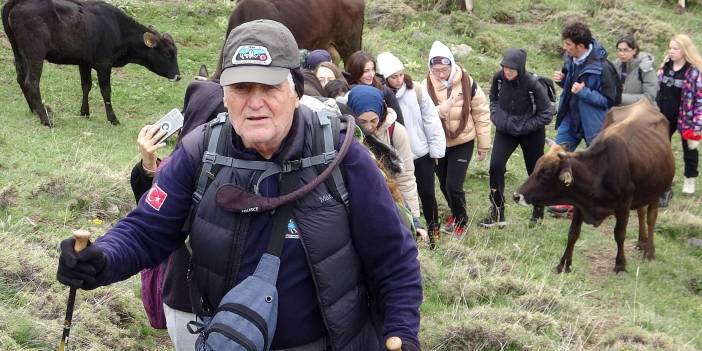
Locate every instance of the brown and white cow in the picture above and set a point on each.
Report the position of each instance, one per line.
(628, 166)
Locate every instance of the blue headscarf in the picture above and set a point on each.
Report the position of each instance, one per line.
(316, 57)
(364, 98)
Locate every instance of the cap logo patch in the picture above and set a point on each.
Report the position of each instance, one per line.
(252, 55)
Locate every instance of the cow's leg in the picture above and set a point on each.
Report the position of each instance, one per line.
(573, 235)
(641, 214)
(336, 57)
(622, 215)
(104, 81)
(21, 77)
(31, 86)
(86, 83)
(651, 217)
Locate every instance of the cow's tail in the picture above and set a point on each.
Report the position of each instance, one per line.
(6, 9)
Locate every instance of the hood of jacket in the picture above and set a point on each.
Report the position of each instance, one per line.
(440, 49)
(516, 59)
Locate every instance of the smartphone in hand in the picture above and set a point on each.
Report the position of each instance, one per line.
(171, 123)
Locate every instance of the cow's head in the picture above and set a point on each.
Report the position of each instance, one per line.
(552, 181)
(161, 54)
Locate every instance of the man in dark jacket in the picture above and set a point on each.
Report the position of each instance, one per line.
(333, 263)
(520, 111)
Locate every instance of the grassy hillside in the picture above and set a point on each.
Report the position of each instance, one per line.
(492, 289)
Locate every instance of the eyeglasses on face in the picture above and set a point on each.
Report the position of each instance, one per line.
(440, 70)
(624, 49)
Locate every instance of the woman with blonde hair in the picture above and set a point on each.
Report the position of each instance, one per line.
(680, 100)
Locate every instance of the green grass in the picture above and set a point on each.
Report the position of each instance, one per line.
(492, 290)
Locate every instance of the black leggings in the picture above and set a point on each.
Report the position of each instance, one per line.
(451, 171)
(532, 145)
(424, 172)
(690, 157)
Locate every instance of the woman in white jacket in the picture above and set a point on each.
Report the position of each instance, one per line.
(426, 135)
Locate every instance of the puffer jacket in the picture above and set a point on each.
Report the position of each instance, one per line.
(478, 125)
(690, 117)
(641, 79)
(406, 182)
(421, 121)
(519, 106)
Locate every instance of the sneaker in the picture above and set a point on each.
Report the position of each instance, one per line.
(689, 186)
(560, 209)
(450, 224)
(489, 222)
(458, 232)
(665, 198)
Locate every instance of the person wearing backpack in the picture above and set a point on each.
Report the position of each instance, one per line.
(520, 110)
(636, 72)
(426, 135)
(465, 117)
(590, 88)
(334, 288)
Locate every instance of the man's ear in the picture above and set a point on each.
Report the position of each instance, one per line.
(224, 97)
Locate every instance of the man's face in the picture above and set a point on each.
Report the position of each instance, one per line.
(261, 114)
(573, 49)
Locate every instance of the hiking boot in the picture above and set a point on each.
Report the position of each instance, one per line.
(496, 218)
(689, 186)
(450, 224)
(665, 198)
(537, 216)
(434, 237)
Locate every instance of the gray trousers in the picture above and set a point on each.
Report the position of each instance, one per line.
(177, 324)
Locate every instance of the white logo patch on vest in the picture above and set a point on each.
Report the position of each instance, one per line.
(252, 55)
(292, 230)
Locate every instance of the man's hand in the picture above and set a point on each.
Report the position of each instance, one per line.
(80, 270)
(482, 154)
(577, 87)
(422, 234)
(558, 76)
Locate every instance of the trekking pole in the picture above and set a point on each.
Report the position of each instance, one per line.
(393, 343)
(82, 238)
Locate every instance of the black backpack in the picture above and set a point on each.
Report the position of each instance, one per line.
(610, 78)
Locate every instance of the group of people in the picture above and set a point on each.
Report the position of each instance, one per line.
(349, 277)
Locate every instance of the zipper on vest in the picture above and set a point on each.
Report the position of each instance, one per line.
(316, 288)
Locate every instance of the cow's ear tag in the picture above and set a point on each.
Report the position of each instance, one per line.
(150, 39)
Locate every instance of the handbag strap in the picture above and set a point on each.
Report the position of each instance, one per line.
(282, 216)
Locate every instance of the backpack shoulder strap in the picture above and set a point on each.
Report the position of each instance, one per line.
(211, 144)
(327, 125)
(418, 91)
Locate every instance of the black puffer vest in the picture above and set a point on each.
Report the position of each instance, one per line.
(216, 235)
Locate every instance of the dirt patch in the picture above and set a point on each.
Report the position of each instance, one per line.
(8, 196)
(601, 259)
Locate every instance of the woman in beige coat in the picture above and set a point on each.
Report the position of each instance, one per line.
(465, 115)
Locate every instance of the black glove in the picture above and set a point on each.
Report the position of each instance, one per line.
(83, 270)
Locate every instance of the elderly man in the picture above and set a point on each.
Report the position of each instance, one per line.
(338, 256)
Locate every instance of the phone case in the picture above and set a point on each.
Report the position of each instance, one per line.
(171, 123)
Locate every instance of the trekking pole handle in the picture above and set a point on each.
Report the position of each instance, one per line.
(82, 238)
(393, 343)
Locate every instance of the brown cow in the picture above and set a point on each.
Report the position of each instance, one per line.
(628, 166)
(334, 25)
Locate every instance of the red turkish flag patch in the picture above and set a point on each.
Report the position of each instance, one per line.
(156, 197)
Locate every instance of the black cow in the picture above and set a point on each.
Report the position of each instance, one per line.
(92, 35)
(628, 166)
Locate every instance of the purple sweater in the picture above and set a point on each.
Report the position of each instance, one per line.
(386, 248)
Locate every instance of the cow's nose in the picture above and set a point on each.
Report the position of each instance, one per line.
(519, 198)
(175, 78)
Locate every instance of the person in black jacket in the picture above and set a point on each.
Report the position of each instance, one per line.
(520, 110)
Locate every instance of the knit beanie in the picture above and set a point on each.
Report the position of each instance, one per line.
(316, 57)
(365, 98)
(388, 64)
